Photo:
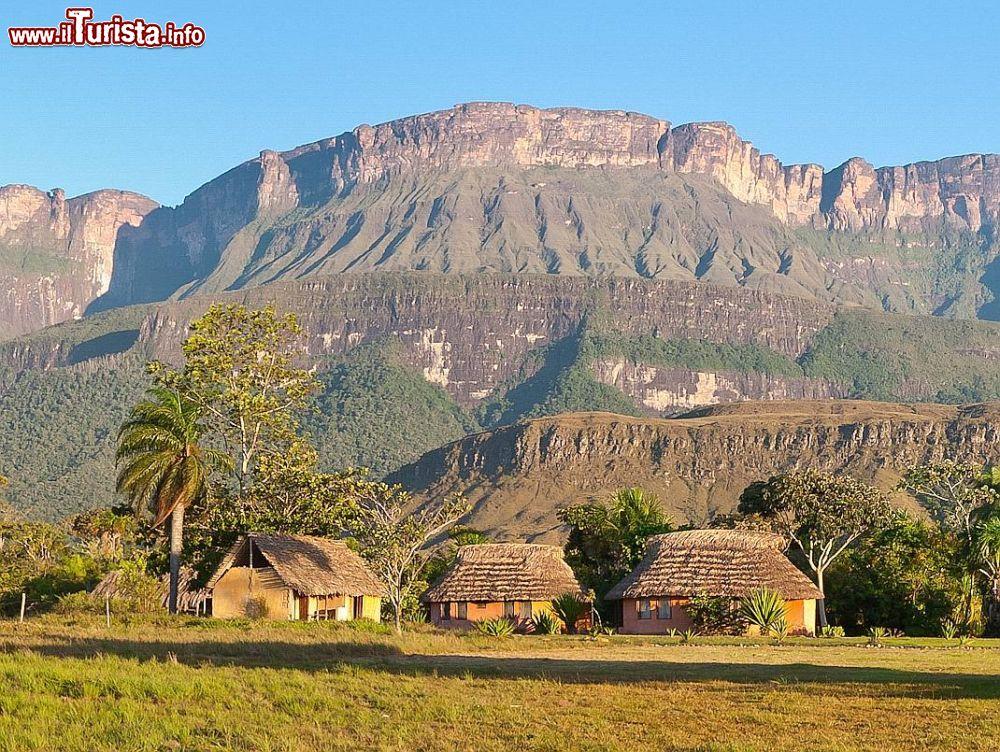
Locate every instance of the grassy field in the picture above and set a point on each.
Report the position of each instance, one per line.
(189, 684)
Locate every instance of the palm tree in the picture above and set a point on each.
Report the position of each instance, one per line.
(634, 515)
(988, 555)
(162, 466)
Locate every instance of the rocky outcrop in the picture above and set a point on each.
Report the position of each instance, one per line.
(664, 391)
(791, 193)
(56, 253)
(962, 192)
(519, 476)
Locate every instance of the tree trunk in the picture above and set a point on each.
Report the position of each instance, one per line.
(397, 610)
(176, 544)
(993, 609)
(821, 604)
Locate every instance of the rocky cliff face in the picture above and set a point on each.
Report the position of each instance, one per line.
(490, 187)
(473, 335)
(56, 253)
(508, 188)
(519, 476)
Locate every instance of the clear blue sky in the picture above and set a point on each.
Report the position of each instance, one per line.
(890, 81)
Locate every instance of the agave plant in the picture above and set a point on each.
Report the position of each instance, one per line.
(569, 609)
(498, 627)
(831, 631)
(687, 636)
(545, 623)
(779, 630)
(765, 609)
(876, 635)
(949, 629)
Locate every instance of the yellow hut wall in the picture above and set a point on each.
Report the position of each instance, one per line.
(371, 608)
(235, 590)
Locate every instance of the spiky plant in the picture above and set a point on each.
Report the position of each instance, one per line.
(765, 609)
(779, 630)
(499, 627)
(687, 636)
(569, 609)
(545, 623)
(876, 635)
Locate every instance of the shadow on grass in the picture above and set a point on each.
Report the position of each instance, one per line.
(384, 657)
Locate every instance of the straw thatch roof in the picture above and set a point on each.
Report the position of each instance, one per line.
(714, 562)
(491, 572)
(190, 598)
(307, 564)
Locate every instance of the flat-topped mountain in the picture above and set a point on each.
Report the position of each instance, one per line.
(518, 476)
(510, 188)
(495, 187)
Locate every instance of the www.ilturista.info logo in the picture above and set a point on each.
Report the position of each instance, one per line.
(80, 30)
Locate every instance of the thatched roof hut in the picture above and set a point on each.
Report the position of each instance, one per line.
(307, 564)
(191, 599)
(714, 562)
(496, 572)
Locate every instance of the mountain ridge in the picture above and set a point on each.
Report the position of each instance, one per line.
(511, 188)
(518, 476)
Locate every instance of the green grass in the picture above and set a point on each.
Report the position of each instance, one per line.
(203, 685)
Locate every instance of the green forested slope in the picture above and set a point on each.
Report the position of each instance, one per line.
(57, 426)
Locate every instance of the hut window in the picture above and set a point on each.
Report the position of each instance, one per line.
(663, 609)
(525, 610)
(508, 609)
(463, 610)
(645, 609)
(446, 611)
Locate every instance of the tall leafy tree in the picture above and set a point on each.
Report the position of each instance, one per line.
(163, 465)
(240, 368)
(394, 537)
(958, 495)
(607, 539)
(907, 576)
(820, 513)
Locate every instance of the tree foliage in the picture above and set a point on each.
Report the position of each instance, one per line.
(607, 539)
(394, 536)
(955, 494)
(240, 368)
(820, 513)
(907, 576)
(165, 467)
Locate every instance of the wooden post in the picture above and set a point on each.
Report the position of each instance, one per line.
(24, 602)
(107, 609)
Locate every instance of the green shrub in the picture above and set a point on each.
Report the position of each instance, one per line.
(687, 636)
(545, 623)
(716, 615)
(765, 609)
(498, 627)
(569, 609)
(78, 603)
(831, 631)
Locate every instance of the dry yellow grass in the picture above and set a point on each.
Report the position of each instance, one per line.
(202, 685)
